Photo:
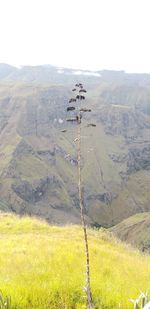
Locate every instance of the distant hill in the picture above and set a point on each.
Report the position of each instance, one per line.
(38, 173)
(6, 70)
(45, 74)
(135, 230)
(59, 75)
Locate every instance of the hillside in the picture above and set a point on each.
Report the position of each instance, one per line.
(40, 266)
(135, 230)
(38, 161)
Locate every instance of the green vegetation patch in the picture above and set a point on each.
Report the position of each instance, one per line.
(43, 266)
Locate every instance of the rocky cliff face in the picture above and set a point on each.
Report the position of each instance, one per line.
(139, 158)
(38, 173)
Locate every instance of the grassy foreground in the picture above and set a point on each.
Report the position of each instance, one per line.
(42, 266)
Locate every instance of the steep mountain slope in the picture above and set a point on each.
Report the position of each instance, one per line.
(135, 230)
(38, 173)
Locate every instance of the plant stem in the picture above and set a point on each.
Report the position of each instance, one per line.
(88, 287)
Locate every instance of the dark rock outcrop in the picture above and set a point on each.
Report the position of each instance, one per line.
(118, 158)
(104, 197)
(138, 159)
(34, 192)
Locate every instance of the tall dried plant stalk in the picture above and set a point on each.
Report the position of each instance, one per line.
(88, 286)
(78, 119)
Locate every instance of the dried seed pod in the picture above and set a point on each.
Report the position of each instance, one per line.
(71, 119)
(79, 85)
(70, 108)
(85, 110)
(82, 90)
(72, 100)
(79, 117)
(91, 125)
(80, 97)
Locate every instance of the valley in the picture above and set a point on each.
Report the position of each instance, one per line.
(38, 174)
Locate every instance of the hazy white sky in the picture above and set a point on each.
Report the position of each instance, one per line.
(88, 34)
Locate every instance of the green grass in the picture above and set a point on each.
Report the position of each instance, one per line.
(30, 167)
(42, 266)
